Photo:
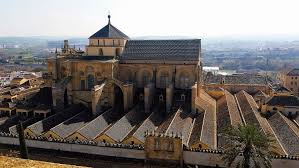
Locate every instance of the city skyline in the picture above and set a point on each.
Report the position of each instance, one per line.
(149, 18)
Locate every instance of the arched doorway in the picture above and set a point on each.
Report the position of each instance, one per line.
(164, 79)
(118, 100)
(111, 96)
(145, 78)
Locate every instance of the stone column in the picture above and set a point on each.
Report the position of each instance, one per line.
(128, 96)
(149, 91)
(169, 96)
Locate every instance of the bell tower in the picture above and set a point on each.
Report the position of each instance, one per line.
(108, 41)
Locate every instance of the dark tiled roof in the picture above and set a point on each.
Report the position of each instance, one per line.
(99, 58)
(126, 124)
(236, 79)
(281, 89)
(150, 124)
(109, 31)
(249, 109)
(197, 129)
(287, 133)
(167, 50)
(71, 125)
(260, 94)
(165, 124)
(283, 101)
(97, 125)
(209, 127)
(227, 115)
(4, 127)
(26, 123)
(46, 124)
(181, 124)
(293, 72)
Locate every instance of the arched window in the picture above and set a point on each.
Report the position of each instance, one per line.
(164, 78)
(184, 80)
(90, 81)
(146, 78)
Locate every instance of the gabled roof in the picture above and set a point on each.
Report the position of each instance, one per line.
(208, 132)
(182, 124)
(46, 124)
(73, 124)
(293, 72)
(150, 124)
(5, 125)
(109, 31)
(281, 89)
(97, 125)
(286, 131)
(260, 94)
(283, 101)
(162, 50)
(236, 79)
(126, 124)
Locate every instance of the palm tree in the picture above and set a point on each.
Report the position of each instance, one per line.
(250, 144)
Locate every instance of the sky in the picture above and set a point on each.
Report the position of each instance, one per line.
(193, 18)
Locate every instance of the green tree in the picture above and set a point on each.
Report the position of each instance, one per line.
(250, 144)
(23, 147)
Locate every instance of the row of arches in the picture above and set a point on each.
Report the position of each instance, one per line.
(184, 79)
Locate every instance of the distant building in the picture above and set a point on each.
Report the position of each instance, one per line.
(290, 80)
(288, 105)
(213, 70)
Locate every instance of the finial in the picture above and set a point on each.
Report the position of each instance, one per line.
(109, 16)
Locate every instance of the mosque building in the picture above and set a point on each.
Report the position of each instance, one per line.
(154, 93)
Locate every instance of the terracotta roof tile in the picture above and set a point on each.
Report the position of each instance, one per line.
(286, 133)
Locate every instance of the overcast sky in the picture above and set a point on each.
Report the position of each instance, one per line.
(210, 18)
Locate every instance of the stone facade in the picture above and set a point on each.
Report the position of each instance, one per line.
(290, 80)
(104, 72)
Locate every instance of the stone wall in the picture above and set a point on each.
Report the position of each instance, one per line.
(205, 158)
(213, 159)
(73, 147)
